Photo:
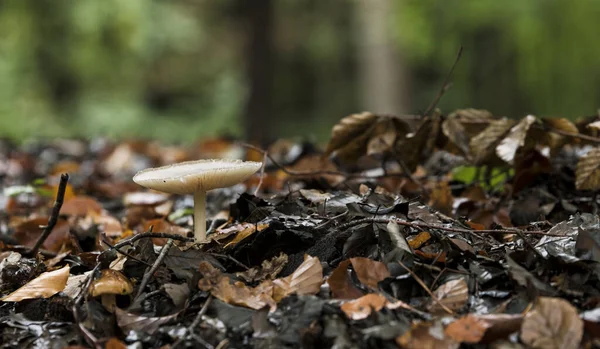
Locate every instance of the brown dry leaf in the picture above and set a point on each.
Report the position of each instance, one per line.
(441, 198)
(362, 307)
(468, 329)
(268, 269)
(221, 287)
(384, 137)
(44, 286)
(160, 225)
(483, 145)
(245, 230)
(418, 241)
(114, 343)
(128, 321)
(588, 171)
(349, 129)
(341, 285)
(109, 224)
(453, 294)
(426, 336)
(28, 232)
(554, 140)
(411, 150)
(456, 133)
(369, 272)
(553, 323)
(507, 149)
(306, 279)
(80, 206)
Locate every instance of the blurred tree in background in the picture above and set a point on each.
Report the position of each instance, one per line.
(180, 70)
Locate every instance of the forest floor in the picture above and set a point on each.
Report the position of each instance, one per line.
(445, 231)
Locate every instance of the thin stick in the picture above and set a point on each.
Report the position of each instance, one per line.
(574, 135)
(150, 272)
(60, 197)
(194, 324)
(87, 335)
(445, 86)
(420, 282)
(422, 225)
(134, 238)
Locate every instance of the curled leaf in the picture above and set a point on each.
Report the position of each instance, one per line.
(44, 286)
(553, 323)
(588, 171)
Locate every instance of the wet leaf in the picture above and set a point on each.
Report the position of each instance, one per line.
(454, 295)
(426, 336)
(44, 286)
(468, 329)
(341, 284)
(132, 322)
(420, 239)
(362, 307)
(369, 272)
(553, 323)
(306, 279)
(588, 171)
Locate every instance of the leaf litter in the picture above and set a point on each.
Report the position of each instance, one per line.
(416, 232)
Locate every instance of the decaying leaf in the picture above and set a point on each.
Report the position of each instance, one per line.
(553, 323)
(588, 171)
(44, 286)
(467, 329)
(362, 307)
(555, 140)
(483, 145)
(128, 321)
(365, 134)
(245, 230)
(306, 279)
(426, 336)
(236, 293)
(453, 295)
(369, 272)
(507, 149)
(456, 133)
(268, 270)
(418, 240)
(341, 285)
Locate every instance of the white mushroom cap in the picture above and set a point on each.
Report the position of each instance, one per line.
(193, 176)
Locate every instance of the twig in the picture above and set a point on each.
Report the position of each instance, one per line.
(134, 238)
(262, 173)
(422, 225)
(87, 335)
(445, 85)
(126, 254)
(574, 135)
(150, 272)
(194, 324)
(420, 282)
(60, 197)
(231, 259)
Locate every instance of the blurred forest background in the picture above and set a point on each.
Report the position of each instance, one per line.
(181, 70)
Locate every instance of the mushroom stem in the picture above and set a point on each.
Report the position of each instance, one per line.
(200, 215)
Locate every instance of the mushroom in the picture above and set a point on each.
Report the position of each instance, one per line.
(197, 177)
(110, 284)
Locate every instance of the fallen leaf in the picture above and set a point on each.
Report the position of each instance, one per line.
(362, 307)
(483, 145)
(80, 206)
(468, 329)
(507, 149)
(235, 293)
(44, 286)
(420, 239)
(426, 336)
(245, 230)
(163, 226)
(114, 343)
(268, 269)
(588, 171)
(369, 272)
(132, 322)
(341, 285)
(454, 294)
(348, 129)
(552, 323)
(306, 279)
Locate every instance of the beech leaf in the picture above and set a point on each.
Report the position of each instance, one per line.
(44, 286)
(552, 323)
(588, 171)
